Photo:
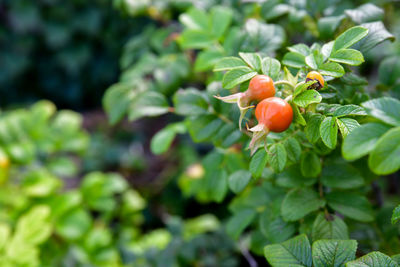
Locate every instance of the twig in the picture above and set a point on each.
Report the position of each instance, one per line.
(252, 262)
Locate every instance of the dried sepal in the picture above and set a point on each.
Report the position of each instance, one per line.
(230, 98)
(242, 101)
(260, 133)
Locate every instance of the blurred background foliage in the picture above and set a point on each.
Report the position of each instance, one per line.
(67, 52)
(76, 191)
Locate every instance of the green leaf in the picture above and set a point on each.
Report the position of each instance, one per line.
(385, 157)
(195, 19)
(34, 227)
(329, 226)
(373, 259)
(293, 149)
(237, 76)
(377, 34)
(40, 183)
(341, 175)
(272, 9)
(239, 180)
(396, 215)
(62, 167)
(196, 39)
(396, 258)
(277, 157)
(327, 26)
(300, 49)
(74, 224)
(310, 164)
(5, 233)
(389, 70)
(314, 60)
(227, 136)
(386, 109)
(98, 189)
(328, 131)
(68, 121)
(347, 125)
(307, 97)
(218, 185)
(349, 110)
(190, 102)
(349, 37)
(292, 177)
(347, 56)
(300, 202)
(252, 59)
(149, 103)
(365, 13)
(239, 221)
(293, 59)
(293, 252)
(331, 69)
(351, 205)
(288, 76)
(297, 117)
(132, 201)
(221, 18)
(354, 80)
(162, 140)
(64, 202)
(228, 63)
(200, 225)
(326, 49)
(362, 140)
(333, 253)
(302, 86)
(312, 128)
(274, 228)
(117, 100)
(207, 59)
(203, 128)
(258, 162)
(271, 67)
(265, 37)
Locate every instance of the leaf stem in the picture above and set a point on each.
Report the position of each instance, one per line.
(284, 82)
(289, 98)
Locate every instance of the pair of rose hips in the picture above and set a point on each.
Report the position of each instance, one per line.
(273, 114)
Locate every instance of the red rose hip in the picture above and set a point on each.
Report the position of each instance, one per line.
(260, 88)
(275, 114)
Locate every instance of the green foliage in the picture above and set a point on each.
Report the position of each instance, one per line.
(318, 180)
(324, 252)
(67, 54)
(295, 252)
